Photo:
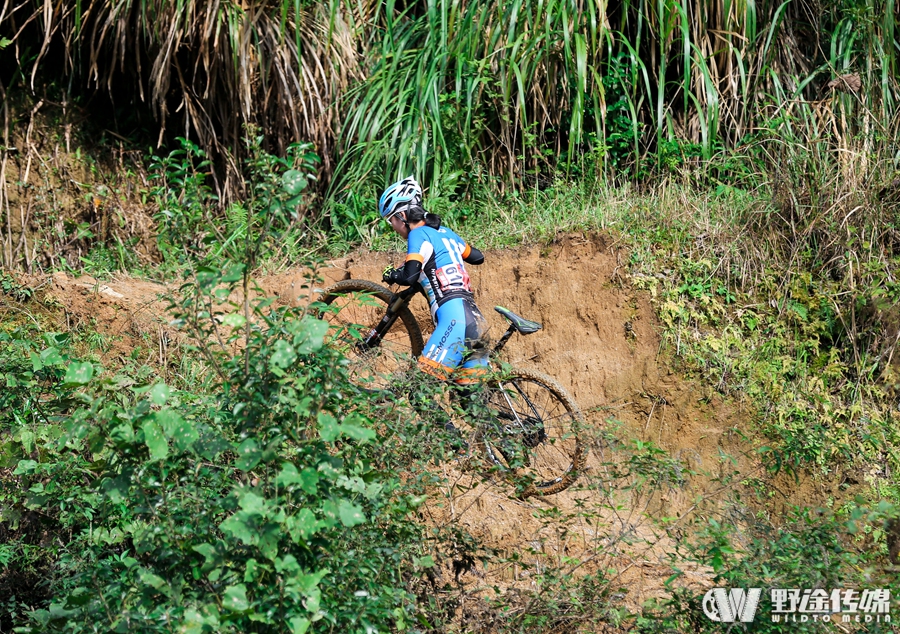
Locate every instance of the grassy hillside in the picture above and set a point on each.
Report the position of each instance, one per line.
(744, 155)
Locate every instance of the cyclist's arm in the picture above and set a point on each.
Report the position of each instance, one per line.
(472, 255)
(408, 275)
(419, 250)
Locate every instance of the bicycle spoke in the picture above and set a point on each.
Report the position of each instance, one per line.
(355, 308)
(533, 432)
(553, 454)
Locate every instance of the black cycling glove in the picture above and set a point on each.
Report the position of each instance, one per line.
(406, 276)
(389, 275)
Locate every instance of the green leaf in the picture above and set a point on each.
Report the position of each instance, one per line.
(269, 536)
(79, 373)
(298, 625)
(288, 475)
(233, 274)
(356, 432)
(160, 393)
(354, 483)
(211, 444)
(169, 420)
(283, 354)
(209, 552)
(177, 428)
(78, 597)
(307, 479)
(251, 571)
(122, 434)
(51, 356)
(329, 429)
(241, 526)
(293, 182)
(116, 489)
(800, 309)
(350, 514)
(311, 335)
(185, 435)
(25, 466)
(26, 437)
(155, 440)
(253, 503)
(152, 580)
(196, 622)
(235, 598)
(249, 455)
(288, 564)
(234, 320)
(425, 562)
(307, 583)
(303, 525)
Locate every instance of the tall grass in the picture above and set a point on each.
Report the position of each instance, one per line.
(207, 68)
(466, 90)
(463, 92)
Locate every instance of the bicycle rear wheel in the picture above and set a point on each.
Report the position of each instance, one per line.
(355, 307)
(533, 432)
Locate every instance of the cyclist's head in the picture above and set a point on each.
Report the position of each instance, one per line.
(399, 197)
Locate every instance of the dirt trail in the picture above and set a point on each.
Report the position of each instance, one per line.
(600, 340)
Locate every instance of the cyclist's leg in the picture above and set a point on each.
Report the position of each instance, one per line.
(469, 376)
(443, 353)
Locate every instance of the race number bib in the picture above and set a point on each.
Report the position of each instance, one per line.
(452, 278)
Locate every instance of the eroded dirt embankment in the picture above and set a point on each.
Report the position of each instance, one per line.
(601, 340)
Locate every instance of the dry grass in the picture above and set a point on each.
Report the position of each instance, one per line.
(461, 92)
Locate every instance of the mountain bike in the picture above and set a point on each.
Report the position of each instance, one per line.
(532, 429)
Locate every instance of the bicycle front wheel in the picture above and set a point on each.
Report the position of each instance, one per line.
(355, 308)
(532, 434)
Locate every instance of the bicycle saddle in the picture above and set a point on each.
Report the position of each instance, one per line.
(524, 326)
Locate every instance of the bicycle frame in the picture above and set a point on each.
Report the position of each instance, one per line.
(402, 300)
(526, 424)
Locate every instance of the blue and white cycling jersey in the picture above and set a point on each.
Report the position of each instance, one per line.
(441, 253)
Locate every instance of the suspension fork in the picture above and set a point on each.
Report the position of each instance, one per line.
(516, 415)
(398, 303)
(528, 427)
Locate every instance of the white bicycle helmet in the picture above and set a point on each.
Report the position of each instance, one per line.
(398, 196)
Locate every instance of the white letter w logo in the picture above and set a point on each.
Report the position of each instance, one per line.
(730, 605)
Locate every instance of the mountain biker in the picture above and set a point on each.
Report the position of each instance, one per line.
(436, 259)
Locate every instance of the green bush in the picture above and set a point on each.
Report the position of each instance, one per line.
(196, 226)
(253, 506)
(251, 500)
(812, 550)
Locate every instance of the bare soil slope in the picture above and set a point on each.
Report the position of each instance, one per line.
(602, 343)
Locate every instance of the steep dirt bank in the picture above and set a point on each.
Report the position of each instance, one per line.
(601, 341)
(600, 338)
